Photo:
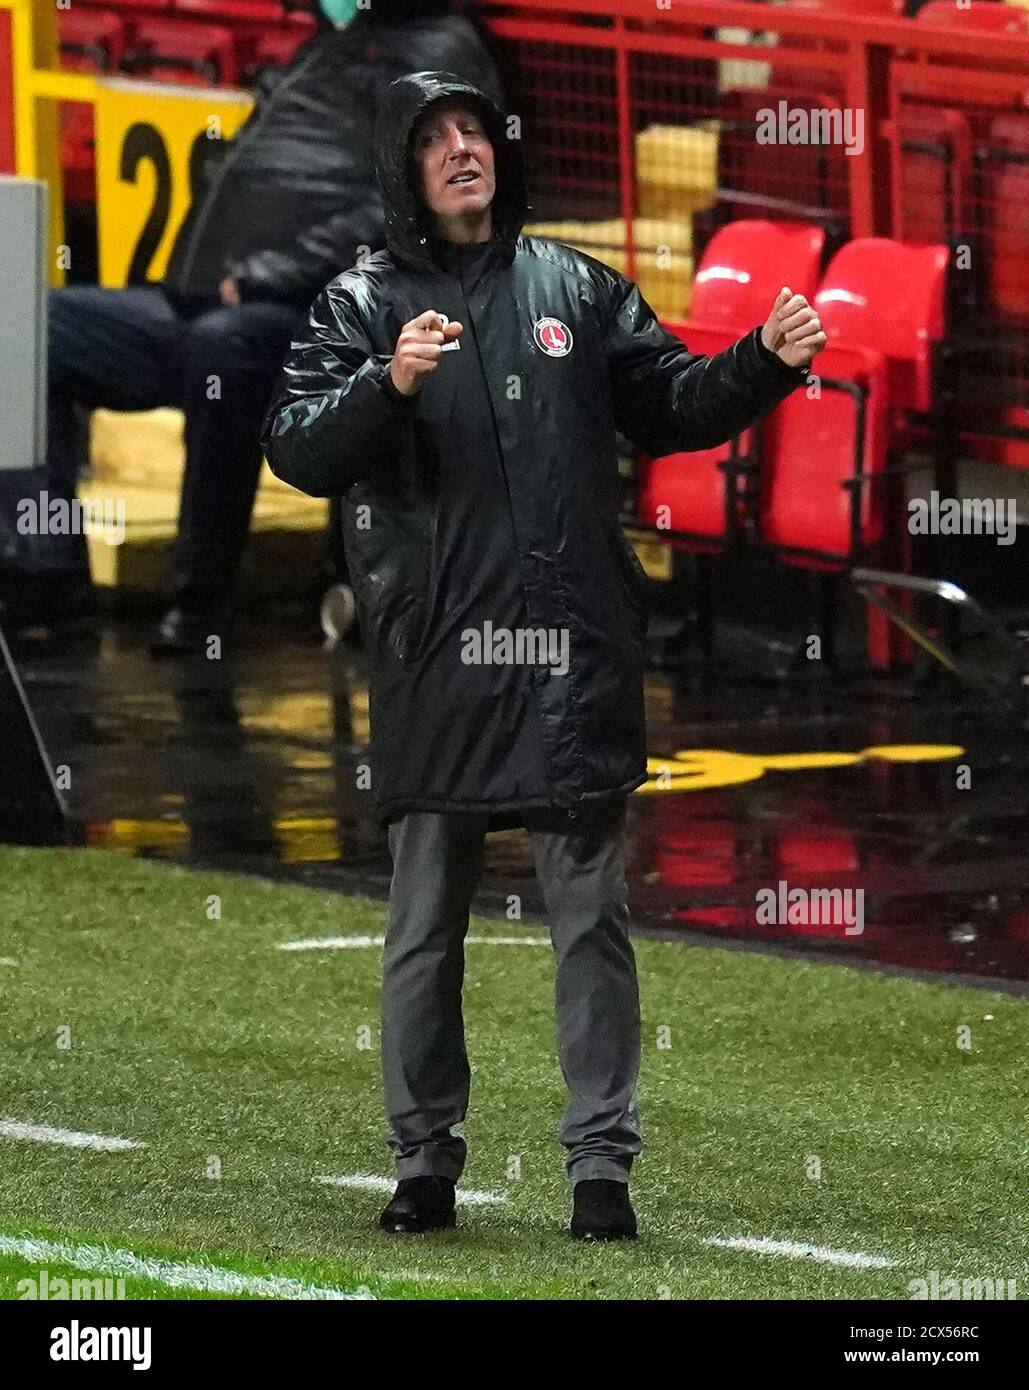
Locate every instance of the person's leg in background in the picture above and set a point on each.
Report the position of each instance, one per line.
(106, 347)
(582, 875)
(230, 360)
(437, 861)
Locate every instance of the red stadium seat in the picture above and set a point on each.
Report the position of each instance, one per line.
(936, 174)
(231, 11)
(987, 14)
(704, 498)
(823, 500)
(90, 40)
(181, 51)
(1003, 197)
(272, 47)
(135, 7)
(746, 264)
(699, 498)
(799, 181)
(888, 297)
(817, 507)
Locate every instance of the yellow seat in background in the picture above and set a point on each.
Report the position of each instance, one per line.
(663, 265)
(137, 457)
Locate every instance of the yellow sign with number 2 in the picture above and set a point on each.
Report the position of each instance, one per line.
(151, 148)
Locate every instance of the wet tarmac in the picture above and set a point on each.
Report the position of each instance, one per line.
(913, 806)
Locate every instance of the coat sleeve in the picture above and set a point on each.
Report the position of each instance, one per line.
(333, 417)
(667, 398)
(320, 252)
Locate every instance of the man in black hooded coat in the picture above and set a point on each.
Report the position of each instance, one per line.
(461, 392)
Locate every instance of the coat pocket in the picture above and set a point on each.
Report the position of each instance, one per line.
(393, 562)
(393, 618)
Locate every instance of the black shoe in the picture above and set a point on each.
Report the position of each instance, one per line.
(420, 1204)
(602, 1210)
(188, 632)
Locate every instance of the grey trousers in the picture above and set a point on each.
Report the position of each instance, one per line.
(437, 860)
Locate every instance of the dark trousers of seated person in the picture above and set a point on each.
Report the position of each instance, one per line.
(581, 868)
(133, 349)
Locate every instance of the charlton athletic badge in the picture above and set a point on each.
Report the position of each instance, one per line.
(552, 337)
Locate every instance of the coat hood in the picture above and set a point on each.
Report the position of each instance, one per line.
(409, 231)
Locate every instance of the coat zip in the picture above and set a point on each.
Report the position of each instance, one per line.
(572, 690)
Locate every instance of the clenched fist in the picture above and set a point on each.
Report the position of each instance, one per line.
(793, 330)
(418, 350)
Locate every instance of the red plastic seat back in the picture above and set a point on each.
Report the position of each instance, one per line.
(687, 492)
(806, 176)
(745, 266)
(1004, 187)
(889, 297)
(936, 173)
(148, 6)
(186, 52)
(808, 453)
(986, 15)
(267, 12)
(90, 40)
(273, 47)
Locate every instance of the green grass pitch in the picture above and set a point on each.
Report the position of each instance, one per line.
(128, 1009)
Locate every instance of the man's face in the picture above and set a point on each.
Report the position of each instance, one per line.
(455, 161)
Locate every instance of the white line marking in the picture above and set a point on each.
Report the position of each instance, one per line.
(343, 943)
(7, 960)
(70, 1138)
(796, 1249)
(371, 1182)
(204, 1278)
(333, 943)
(506, 941)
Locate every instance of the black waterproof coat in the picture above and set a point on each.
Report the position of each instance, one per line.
(291, 200)
(491, 496)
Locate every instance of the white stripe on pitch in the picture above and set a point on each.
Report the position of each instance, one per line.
(123, 1264)
(507, 941)
(7, 960)
(343, 943)
(795, 1249)
(371, 1182)
(333, 943)
(70, 1138)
